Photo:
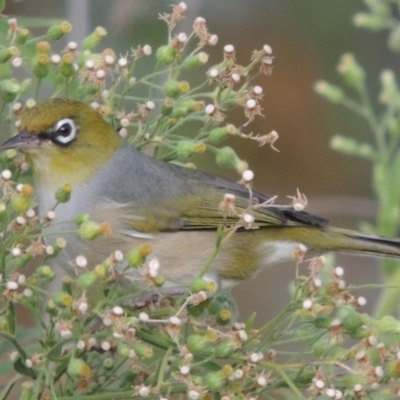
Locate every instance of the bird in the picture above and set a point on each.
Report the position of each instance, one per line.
(176, 210)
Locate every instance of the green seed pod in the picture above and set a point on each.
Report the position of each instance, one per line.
(214, 381)
(91, 41)
(220, 134)
(352, 72)
(331, 92)
(9, 89)
(179, 112)
(143, 350)
(51, 308)
(22, 261)
(224, 317)
(81, 218)
(63, 194)
(361, 333)
(89, 230)
(225, 348)
(174, 88)
(352, 322)
(21, 203)
(167, 106)
(56, 32)
(45, 273)
(67, 68)
(5, 71)
(87, 279)
(227, 157)
(25, 86)
(199, 345)
(22, 36)
(6, 54)
(166, 54)
(77, 368)
(185, 148)
(108, 363)
(196, 60)
(322, 322)
(27, 391)
(4, 324)
(41, 65)
(197, 310)
(67, 284)
(63, 299)
(123, 349)
(135, 257)
(198, 285)
(393, 368)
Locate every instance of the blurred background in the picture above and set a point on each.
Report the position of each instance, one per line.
(307, 39)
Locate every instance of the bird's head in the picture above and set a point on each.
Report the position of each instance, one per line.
(65, 140)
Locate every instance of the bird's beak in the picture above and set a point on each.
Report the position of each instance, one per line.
(23, 141)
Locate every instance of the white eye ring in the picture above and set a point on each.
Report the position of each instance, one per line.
(64, 131)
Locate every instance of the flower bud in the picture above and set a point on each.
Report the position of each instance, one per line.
(51, 308)
(9, 89)
(185, 148)
(5, 71)
(43, 47)
(220, 134)
(22, 201)
(45, 273)
(322, 322)
(167, 106)
(143, 349)
(390, 91)
(173, 88)
(198, 285)
(56, 32)
(331, 92)
(224, 317)
(196, 60)
(63, 194)
(4, 326)
(91, 41)
(67, 68)
(214, 381)
(62, 299)
(352, 72)
(137, 256)
(388, 324)
(87, 279)
(179, 112)
(199, 345)
(77, 368)
(89, 230)
(393, 368)
(166, 54)
(225, 348)
(22, 36)
(81, 218)
(6, 54)
(226, 157)
(25, 86)
(41, 65)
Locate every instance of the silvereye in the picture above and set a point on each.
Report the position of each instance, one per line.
(175, 209)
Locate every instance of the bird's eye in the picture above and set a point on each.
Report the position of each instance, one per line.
(64, 131)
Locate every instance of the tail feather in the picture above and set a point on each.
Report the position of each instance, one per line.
(337, 239)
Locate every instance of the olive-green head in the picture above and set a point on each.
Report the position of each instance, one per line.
(65, 141)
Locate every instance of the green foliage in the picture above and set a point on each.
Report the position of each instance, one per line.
(107, 332)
